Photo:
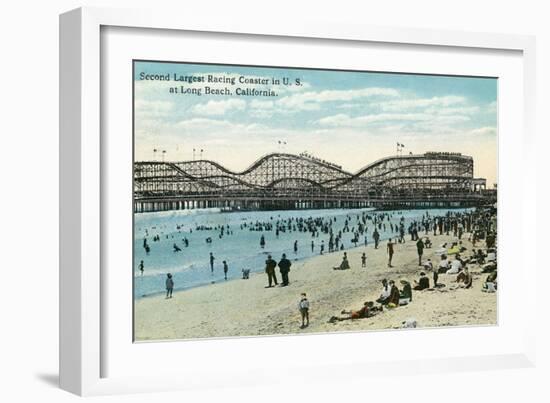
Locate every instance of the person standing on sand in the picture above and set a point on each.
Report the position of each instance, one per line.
(270, 265)
(428, 265)
(390, 252)
(169, 286)
(225, 269)
(284, 268)
(420, 250)
(303, 306)
(364, 260)
(376, 237)
(212, 258)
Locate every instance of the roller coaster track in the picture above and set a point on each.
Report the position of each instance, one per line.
(297, 177)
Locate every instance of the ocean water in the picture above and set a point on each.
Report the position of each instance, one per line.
(239, 246)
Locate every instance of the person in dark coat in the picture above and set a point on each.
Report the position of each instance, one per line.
(270, 265)
(284, 268)
(423, 282)
(376, 237)
(394, 294)
(406, 293)
(345, 263)
(420, 250)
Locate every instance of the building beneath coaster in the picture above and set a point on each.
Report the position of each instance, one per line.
(289, 181)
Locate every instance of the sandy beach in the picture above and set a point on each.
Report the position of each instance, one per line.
(247, 308)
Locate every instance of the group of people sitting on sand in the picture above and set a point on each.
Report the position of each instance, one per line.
(459, 266)
(453, 262)
(392, 297)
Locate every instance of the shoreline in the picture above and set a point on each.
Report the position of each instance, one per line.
(383, 238)
(245, 308)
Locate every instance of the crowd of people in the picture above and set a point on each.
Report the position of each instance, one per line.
(480, 224)
(454, 259)
(332, 229)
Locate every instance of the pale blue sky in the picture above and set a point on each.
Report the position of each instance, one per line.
(350, 118)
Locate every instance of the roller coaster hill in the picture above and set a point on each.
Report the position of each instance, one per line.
(289, 181)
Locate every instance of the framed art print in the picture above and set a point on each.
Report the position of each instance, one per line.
(268, 196)
(341, 194)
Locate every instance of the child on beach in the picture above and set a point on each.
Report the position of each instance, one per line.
(169, 285)
(303, 306)
(364, 260)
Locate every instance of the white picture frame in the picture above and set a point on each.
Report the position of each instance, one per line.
(83, 308)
